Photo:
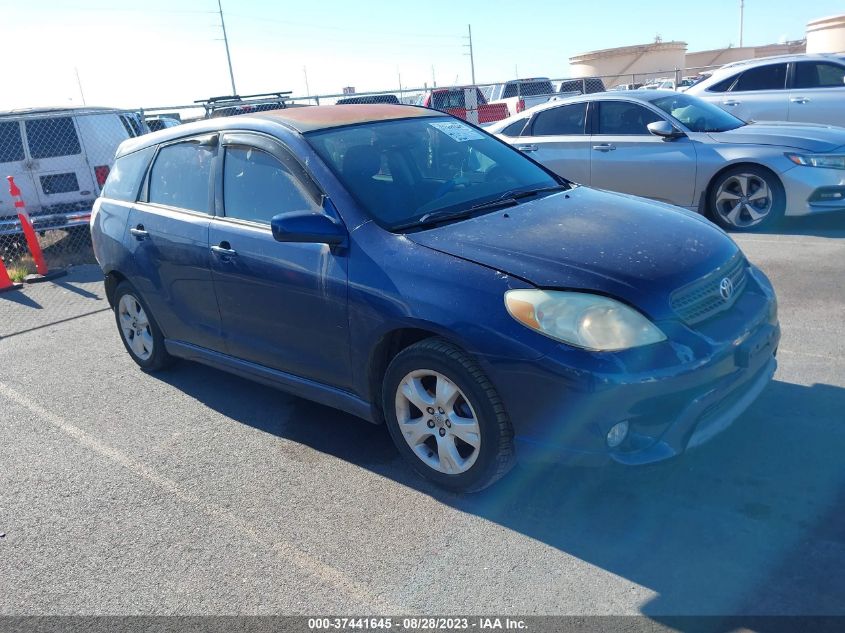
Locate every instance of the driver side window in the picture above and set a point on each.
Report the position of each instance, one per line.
(257, 186)
(623, 118)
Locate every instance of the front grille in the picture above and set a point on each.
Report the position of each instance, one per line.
(702, 299)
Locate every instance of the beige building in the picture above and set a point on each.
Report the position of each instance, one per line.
(826, 35)
(640, 63)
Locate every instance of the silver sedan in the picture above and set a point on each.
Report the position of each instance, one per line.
(682, 150)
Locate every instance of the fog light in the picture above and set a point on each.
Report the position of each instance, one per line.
(617, 434)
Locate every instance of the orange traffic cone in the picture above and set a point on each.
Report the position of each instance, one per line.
(31, 239)
(6, 282)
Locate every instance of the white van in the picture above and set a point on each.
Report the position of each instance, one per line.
(60, 158)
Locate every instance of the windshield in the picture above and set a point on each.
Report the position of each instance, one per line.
(697, 115)
(405, 170)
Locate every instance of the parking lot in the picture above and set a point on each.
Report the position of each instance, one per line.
(195, 492)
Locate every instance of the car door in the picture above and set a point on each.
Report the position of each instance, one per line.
(759, 94)
(818, 93)
(626, 157)
(13, 162)
(556, 137)
(168, 241)
(60, 172)
(283, 304)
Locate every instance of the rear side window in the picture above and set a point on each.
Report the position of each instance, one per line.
(722, 86)
(515, 128)
(771, 77)
(257, 186)
(622, 118)
(52, 137)
(819, 75)
(11, 144)
(568, 119)
(126, 175)
(180, 176)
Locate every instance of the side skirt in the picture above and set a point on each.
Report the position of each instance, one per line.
(295, 385)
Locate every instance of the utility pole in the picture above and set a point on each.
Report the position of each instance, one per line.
(226, 42)
(433, 80)
(471, 58)
(741, 17)
(307, 89)
(400, 83)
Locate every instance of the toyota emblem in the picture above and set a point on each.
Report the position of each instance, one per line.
(726, 288)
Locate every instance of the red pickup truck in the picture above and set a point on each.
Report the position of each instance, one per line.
(454, 102)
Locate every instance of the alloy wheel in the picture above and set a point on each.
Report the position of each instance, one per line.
(743, 200)
(438, 422)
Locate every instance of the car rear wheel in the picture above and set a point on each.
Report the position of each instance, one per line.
(746, 198)
(138, 329)
(446, 418)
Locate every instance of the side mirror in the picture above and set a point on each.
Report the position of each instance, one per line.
(664, 129)
(305, 226)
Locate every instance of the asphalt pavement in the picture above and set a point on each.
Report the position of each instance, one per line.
(196, 492)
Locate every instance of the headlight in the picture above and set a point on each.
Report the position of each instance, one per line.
(584, 320)
(827, 161)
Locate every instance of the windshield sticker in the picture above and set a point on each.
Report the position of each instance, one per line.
(458, 131)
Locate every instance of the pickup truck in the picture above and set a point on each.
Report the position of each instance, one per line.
(453, 101)
(521, 94)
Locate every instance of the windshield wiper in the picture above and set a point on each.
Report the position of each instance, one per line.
(507, 199)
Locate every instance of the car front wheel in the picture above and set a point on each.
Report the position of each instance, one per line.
(446, 418)
(746, 198)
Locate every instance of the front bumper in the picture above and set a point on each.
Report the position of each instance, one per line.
(562, 414)
(803, 186)
(10, 225)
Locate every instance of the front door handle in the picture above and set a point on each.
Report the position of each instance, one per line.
(139, 233)
(225, 251)
(730, 103)
(799, 100)
(604, 147)
(527, 148)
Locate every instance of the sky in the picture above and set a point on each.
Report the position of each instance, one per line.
(170, 52)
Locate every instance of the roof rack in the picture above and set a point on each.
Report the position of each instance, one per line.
(239, 98)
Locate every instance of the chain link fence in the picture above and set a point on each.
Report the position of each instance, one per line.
(58, 159)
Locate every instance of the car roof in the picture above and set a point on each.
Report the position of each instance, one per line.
(54, 110)
(302, 120)
(794, 57)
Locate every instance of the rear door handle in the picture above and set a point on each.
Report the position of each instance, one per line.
(225, 251)
(730, 103)
(604, 147)
(527, 148)
(799, 100)
(139, 232)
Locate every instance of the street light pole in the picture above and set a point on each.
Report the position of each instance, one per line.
(226, 42)
(741, 17)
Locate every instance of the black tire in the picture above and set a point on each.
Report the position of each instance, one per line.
(495, 454)
(777, 197)
(159, 358)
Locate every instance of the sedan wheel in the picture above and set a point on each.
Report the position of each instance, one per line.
(438, 422)
(747, 198)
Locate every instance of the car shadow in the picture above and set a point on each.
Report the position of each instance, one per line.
(751, 523)
(822, 225)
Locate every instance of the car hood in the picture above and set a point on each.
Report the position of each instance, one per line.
(804, 136)
(613, 244)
